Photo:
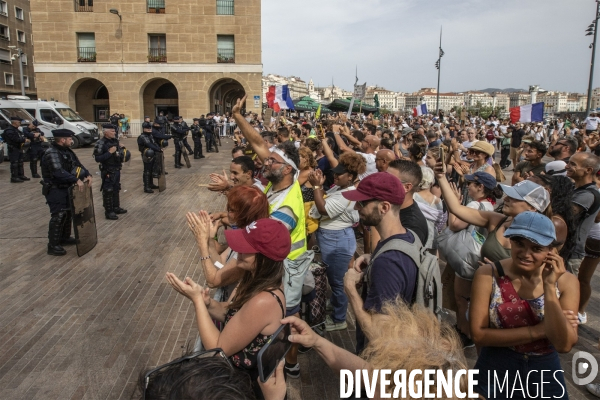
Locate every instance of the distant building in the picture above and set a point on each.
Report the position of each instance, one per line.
(447, 102)
(297, 87)
(15, 30)
(519, 99)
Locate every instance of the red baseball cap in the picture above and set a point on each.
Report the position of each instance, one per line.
(379, 186)
(265, 236)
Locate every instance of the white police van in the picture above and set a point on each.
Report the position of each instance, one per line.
(57, 115)
(10, 109)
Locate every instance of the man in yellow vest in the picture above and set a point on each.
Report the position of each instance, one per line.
(285, 205)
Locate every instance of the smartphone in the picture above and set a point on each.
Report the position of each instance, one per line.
(442, 158)
(273, 352)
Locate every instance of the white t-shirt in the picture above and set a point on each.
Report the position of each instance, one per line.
(340, 211)
(487, 206)
(591, 123)
(371, 168)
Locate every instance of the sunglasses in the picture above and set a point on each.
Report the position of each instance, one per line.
(365, 203)
(193, 356)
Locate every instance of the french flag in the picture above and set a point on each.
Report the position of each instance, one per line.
(527, 113)
(279, 98)
(420, 110)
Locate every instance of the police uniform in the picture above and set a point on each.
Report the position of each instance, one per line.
(16, 142)
(149, 150)
(162, 121)
(110, 172)
(197, 132)
(178, 131)
(162, 141)
(209, 130)
(184, 141)
(61, 169)
(36, 149)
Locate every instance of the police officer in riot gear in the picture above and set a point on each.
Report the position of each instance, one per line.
(149, 150)
(36, 151)
(111, 155)
(16, 141)
(184, 141)
(179, 132)
(162, 121)
(209, 131)
(162, 141)
(61, 169)
(197, 132)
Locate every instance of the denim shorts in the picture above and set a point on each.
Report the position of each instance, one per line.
(497, 363)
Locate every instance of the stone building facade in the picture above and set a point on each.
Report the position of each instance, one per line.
(139, 57)
(15, 30)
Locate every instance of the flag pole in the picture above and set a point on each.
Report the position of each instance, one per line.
(439, 68)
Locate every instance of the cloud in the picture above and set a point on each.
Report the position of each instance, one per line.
(394, 43)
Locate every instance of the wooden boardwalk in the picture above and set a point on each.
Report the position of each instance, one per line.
(84, 328)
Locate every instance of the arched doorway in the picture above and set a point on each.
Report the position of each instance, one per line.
(160, 95)
(223, 95)
(91, 100)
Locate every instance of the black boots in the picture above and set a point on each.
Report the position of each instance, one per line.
(117, 203)
(109, 211)
(198, 153)
(33, 167)
(22, 172)
(147, 182)
(14, 173)
(66, 239)
(55, 232)
(178, 163)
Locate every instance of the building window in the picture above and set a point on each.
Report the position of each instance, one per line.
(84, 5)
(20, 37)
(9, 79)
(224, 7)
(157, 48)
(19, 13)
(86, 47)
(26, 81)
(4, 33)
(156, 6)
(3, 9)
(225, 49)
(5, 56)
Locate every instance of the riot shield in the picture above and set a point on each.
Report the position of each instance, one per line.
(186, 157)
(162, 180)
(84, 220)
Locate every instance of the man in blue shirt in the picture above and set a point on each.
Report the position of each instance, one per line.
(393, 274)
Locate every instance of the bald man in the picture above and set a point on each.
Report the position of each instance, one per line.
(383, 158)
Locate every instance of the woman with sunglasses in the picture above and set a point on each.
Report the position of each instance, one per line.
(335, 235)
(523, 313)
(257, 305)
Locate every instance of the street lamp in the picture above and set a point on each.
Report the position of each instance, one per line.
(438, 65)
(15, 56)
(591, 30)
(116, 12)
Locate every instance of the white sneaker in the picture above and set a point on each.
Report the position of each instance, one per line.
(582, 318)
(593, 388)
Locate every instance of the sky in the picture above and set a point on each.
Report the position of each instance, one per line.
(394, 43)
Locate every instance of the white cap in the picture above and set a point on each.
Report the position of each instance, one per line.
(556, 168)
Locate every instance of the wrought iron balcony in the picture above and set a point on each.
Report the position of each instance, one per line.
(84, 5)
(226, 56)
(224, 7)
(86, 54)
(157, 55)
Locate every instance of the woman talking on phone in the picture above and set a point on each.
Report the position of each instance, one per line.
(256, 308)
(523, 312)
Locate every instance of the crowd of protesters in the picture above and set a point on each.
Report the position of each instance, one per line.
(374, 199)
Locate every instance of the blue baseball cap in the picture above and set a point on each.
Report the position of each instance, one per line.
(484, 178)
(532, 226)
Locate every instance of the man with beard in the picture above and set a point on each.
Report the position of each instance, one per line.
(241, 172)
(285, 205)
(563, 149)
(393, 273)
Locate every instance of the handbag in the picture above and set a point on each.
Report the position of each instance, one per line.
(461, 250)
(514, 312)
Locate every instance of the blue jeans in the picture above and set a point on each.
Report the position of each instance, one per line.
(337, 249)
(503, 361)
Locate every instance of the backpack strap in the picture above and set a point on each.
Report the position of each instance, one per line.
(596, 205)
(413, 250)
